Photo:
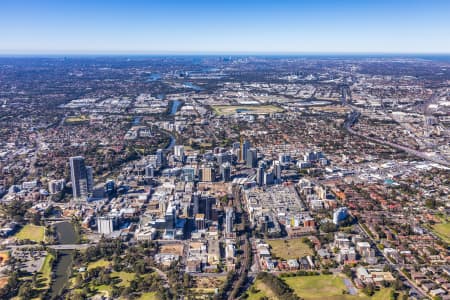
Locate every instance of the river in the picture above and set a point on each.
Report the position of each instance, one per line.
(66, 235)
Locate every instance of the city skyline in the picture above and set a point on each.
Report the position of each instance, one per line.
(201, 27)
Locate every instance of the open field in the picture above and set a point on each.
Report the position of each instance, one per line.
(45, 274)
(124, 277)
(99, 263)
(32, 233)
(443, 229)
(148, 296)
(289, 249)
(261, 291)
(328, 287)
(225, 110)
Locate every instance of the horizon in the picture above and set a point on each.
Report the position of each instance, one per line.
(224, 27)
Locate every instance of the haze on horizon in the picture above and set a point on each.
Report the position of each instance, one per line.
(175, 26)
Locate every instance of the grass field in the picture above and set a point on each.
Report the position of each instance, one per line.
(225, 110)
(45, 277)
(31, 232)
(289, 249)
(124, 277)
(148, 296)
(328, 287)
(98, 263)
(261, 291)
(443, 229)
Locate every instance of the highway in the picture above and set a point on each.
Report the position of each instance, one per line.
(352, 118)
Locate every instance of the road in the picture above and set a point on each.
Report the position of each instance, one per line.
(56, 247)
(352, 118)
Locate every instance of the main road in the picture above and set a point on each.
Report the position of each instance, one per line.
(352, 118)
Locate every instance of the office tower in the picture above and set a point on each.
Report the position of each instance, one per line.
(90, 179)
(251, 158)
(179, 151)
(229, 216)
(225, 171)
(150, 171)
(277, 170)
(79, 177)
(245, 145)
(56, 186)
(188, 174)
(170, 216)
(207, 174)
(196, 202)
(160, 159)
(106, 225)
(260, 175)
(268, 178)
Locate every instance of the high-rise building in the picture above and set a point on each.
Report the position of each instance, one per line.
(260, 175)
(150, 171)
(277, 170)
(90, 179)
(251, 158)
(207, 174)
(229, 218)
(196, 203)
(179, 151)
(268, 178)
(225, 171)
(79, 177)
(106, 225)
(56, 186)
(245, 145)
(160, 159)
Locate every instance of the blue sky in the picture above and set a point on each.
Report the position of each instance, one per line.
(215, 26)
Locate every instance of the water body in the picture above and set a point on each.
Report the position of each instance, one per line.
(175, 106)
(66, 235)
(171, 143)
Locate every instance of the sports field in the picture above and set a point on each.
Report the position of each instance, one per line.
(289, 249)
(225, 110)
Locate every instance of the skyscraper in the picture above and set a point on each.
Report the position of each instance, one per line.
(79, 177)
(277, 170)
(229, 215)
(225, 171)
(160, 159)
(260, 175)
(251, 158)
(245, 145)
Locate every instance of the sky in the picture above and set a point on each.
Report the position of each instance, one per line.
(216, 26)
